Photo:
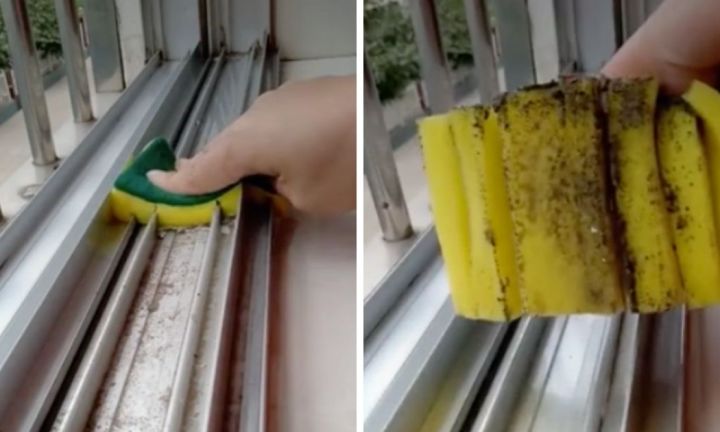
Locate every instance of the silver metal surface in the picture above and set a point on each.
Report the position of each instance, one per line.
(380, 169)
(513, 30)
(544, 39)
(20, 229)
(701, 372)
(218, 24)
(80, 397)
(202, 6)
(210, 408)
(567, 35)
(463, 380)
(653, 348)
(596, 32)
(187, 141)
(390, 289)
(186, 360)
(192, 363)
(574, 390)
(228, 99)
(433, 64)
(253, 410)
(152, 27)
(410, 354)
(102, 26)
(180, 25)
(29, 81)
(152, 337)
(509, 382)
(634, 13)
(192, 388)
(44, 272)
(74, 56)
(248, 22)
(484, 58)
(42, 373)
(626, 374)
(259, 57)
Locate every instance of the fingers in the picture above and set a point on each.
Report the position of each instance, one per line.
(677, 45)
(223, 163)
(194, 177)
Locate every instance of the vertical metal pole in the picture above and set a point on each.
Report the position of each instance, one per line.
(544, 39)
(513, 25)
(595, 32)
(633, 14)
(568, 49)
(203, 28)
(433, 63)
(482, 46)
(29, 81)
(105, 52)
(74, 59)
(380, 168)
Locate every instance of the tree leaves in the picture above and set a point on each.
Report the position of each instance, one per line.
(390, 42)
(46, 34)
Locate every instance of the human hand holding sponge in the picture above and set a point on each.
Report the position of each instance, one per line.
(612, 193)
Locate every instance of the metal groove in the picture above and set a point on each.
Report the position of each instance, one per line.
(398, 279)
(187, 141)
(254, 387)
(647, 391)
(64, 240)
(508, 383)
(463, 380)
(79, 401)
(20, 228)
(183, 373)
(211, 413)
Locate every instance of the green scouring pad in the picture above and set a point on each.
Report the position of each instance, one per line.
(134, 196)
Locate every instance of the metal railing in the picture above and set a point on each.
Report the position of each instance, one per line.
(27, 85)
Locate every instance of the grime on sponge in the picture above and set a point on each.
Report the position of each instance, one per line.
(134, 196)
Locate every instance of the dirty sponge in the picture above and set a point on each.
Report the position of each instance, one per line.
(134, 196)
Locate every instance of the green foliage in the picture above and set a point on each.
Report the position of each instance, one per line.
(454, 31)
(390, 42)
(390, 46)
(43, 21)
(4, 55)
(44, 27)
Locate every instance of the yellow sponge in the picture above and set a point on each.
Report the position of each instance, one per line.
(134, 196)
(126, 206)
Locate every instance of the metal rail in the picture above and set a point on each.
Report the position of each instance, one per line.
(213, 335)
(433, 64)
(76, 72)
(486, 67)
(258, 224)
(380, 169)
(80, 398)
(186, 360)
(64, 249)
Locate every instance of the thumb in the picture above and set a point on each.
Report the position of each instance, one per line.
(222, 163)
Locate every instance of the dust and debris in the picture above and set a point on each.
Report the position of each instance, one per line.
(149, 348)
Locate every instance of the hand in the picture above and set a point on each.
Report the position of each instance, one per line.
(679, 43)
(302, 134)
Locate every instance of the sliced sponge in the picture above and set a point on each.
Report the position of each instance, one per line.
(134, 196)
